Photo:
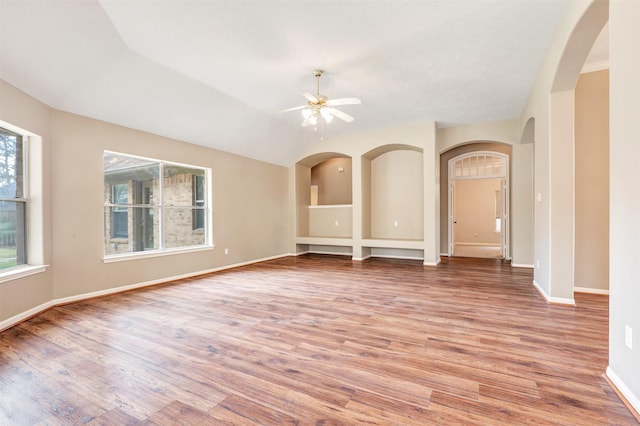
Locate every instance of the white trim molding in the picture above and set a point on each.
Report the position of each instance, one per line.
(602, 291)
(540, 290)
(595, 66)
(16, 319)
(21, 272)
(562, 301)
(554, 300)
(623, 389)
(522, 265)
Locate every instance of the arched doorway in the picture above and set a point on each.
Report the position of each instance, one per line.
(478, 211)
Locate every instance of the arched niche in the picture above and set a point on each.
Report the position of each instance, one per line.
(393, 193)
(324, 196)
(529, 132)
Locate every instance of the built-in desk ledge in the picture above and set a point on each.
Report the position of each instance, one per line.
(330, 206)
(329, 241)
(393, 243)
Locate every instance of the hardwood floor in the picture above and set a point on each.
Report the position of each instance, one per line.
(317, 340)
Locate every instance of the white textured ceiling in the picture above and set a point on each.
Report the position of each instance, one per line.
(216, 73)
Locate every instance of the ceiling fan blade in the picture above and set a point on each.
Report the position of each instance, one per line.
(310, 97)
(344, 101)
(294, 108)
(341, 115)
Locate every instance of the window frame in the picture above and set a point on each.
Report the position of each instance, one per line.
(21, 198)
(198, 222)
(32, 196)
(162, 207)
(119, 209)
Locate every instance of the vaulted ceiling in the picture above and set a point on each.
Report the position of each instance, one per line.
(217, 73)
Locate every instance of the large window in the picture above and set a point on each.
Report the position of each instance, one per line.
(13, 201)
(153, 205)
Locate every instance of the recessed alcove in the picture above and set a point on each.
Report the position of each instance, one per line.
(393, 201)
(324, 200)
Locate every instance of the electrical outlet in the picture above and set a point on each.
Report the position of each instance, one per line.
(537, 263)
(628, 336)
(395, 223)
(337, 223)
(226, 251)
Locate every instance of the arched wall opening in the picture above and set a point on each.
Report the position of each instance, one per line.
(478, 205)
(475, 146)
(562, 145)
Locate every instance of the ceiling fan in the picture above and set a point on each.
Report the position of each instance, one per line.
(320, 106)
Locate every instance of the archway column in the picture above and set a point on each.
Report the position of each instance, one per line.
(358, 251)
(561, 197)
(431, 173)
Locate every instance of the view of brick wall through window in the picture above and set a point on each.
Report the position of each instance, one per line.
(133, 211)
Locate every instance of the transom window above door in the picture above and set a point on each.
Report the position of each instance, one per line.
(478, 164)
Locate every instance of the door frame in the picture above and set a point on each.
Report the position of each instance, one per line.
(504, 174)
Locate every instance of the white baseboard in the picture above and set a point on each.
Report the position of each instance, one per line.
(562, 301)
(360, 259)
(331, 253)
(556, 300)
(432, 263)
(521, 265)
(543, 293)
(591, 290)
(391, 256)
(623, 389)
(16, 319)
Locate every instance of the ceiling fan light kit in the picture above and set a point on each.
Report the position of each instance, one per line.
(320, 106)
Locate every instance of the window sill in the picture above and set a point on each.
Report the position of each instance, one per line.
(154, 253)
(21, 272)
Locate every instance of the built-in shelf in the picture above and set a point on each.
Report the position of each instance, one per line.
(391, 243)
(325, 241)
(330, 206)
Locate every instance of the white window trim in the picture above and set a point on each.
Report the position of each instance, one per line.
(162, 251)
(21, 271)
(35, 206)
(154, 253)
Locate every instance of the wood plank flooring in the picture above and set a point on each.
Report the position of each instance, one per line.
(317, 340)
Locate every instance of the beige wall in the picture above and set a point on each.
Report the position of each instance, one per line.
(249, 205)
(397, 195)
(624, 362)
(551, 103)
(474, 211)
(17, 108)
(331, 221)
(334, 186)
(592, 181)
